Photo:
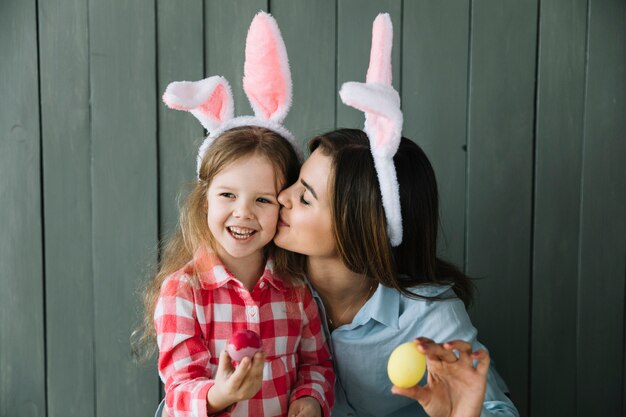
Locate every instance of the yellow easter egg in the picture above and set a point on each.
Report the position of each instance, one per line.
(406, 365)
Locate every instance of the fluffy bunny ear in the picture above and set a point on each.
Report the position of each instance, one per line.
(383, 120)
(209, 100)
(267, 79)
(379, 70)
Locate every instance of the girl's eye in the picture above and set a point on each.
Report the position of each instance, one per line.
(227, 195)
(264, 200)
(302, 200)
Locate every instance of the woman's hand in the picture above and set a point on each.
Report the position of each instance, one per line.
(455, 388)
(235, 384)
(305, 407)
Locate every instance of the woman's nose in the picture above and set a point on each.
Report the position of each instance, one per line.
(284, 197)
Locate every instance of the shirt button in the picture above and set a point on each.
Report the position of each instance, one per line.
(252, 311)
(262, 285)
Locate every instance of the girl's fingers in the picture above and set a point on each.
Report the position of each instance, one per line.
(258, 361)
(483, 360)
(464, 349)
(224, 366)
(241, 371)
(435, 351)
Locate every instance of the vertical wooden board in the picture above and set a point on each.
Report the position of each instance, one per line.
(354, 40)
(434, 100)
(500, 171)
(226, 26)
(66, 150)
(309, 31)
(602, 223)
(22, 354)
(559, 127)
(124, 180)
(180, 57)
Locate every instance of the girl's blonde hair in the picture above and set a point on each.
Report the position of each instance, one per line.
(193, 232)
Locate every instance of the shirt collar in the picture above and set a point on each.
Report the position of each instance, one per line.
(383, 306)
(212, 272)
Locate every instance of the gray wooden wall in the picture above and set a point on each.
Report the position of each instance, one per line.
(520, 104)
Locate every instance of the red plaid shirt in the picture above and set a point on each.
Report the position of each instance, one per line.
(195, 318)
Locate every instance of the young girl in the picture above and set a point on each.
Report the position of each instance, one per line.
(217, 275)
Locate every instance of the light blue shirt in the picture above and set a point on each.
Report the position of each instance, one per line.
(360, 351)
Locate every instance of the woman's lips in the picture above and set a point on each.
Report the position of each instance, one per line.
(282, 223)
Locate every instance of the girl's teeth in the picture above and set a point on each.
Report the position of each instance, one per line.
(240, 233)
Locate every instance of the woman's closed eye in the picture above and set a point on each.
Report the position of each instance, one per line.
(302, 199)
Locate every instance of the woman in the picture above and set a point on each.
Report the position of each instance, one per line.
(374, 296)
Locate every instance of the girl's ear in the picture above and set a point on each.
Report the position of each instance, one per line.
(209, 100)
(267, 79)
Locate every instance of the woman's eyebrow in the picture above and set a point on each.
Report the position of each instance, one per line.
(308, 187)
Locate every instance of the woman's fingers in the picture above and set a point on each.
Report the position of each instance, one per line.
(464, 349)
(483, 360)
(434, 350)
(224, 366)
(421, 394)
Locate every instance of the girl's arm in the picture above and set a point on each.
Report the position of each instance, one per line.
(316, 377)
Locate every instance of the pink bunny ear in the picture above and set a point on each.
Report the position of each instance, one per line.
(379, 70)
(209, 100)
(267, 79)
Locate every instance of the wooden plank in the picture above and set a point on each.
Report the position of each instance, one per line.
(66, 160)
(124, 181)
(499, 186)
(308, 28)
(180, 57)
(22, 355)
(226, 28)
(434, 100)
(603, 224)
(559, 129)
(354, 40)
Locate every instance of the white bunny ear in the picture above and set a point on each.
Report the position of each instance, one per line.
(209, 100)
(267, 79)
(383, 120)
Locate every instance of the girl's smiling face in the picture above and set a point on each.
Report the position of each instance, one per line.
(243, 208)
(305, 224)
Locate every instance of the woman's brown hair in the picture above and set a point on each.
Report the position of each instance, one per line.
(359, 218)
(193, 232)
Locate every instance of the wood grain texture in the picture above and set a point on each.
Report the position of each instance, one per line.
(180, 57)
(124, 195)
(558, 150)
(66, 151)
(499, 183)
(602, 254)
(22, 344)
(434, 100)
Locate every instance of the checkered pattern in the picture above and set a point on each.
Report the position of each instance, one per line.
(195, 318)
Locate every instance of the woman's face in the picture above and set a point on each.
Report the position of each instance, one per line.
(305, 222)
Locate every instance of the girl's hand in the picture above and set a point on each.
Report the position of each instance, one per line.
(235, 384)
(454, 388)
(305, 407)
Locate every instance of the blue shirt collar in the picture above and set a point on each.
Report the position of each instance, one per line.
(383, 306)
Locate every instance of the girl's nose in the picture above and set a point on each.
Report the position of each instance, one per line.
(284, 197)
(243, 211)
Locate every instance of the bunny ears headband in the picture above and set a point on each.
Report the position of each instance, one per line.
(266, 82)
(383, 120)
